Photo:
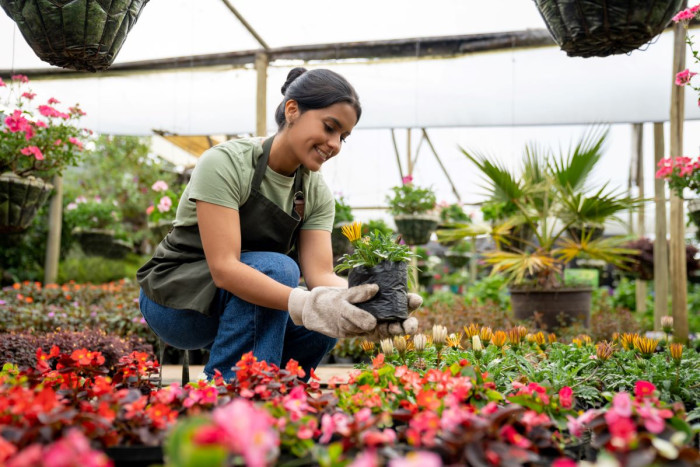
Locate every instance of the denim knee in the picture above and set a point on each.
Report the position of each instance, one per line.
(282, 268)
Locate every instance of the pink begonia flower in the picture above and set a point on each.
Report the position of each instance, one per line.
(33, 150)
(160, 185)
(52, 101)
(73, 449)
(374, 438)
(7, 449)
(165, 204)
(683, 15)
(684, 77)
(58, 142)
(16, 122)
(407, 179)
(643, 389)
(249, 431)
(76, 142)
(368, 458)
(71, 206)
(81, 199)
(27, 457)
(48, 111)
(296, 403)
(2, 83)
(564, 462)
(20, 78)
(306, 431)
(41, 124)
(29, 95)
(622, 404)
(623, 431)
(654, 419)
(417, 459)
(566, 397)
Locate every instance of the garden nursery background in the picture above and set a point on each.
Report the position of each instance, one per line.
(521, 179)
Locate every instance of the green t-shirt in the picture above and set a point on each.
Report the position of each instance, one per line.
(223, 176)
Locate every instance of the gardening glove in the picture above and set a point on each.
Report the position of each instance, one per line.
(398, 328)
(330, 310)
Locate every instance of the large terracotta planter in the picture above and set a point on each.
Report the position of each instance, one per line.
(592, 28)
(416, 229)
(559, 307)
(78, 34)
(20, 199)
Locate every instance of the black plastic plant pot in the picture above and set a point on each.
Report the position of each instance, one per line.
(391, 302)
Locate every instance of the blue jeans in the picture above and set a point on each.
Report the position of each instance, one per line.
(236, 327)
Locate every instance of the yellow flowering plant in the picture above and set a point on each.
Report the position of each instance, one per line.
(372, 249)
(381, 259)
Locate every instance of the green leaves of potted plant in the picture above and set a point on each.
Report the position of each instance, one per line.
(97, 227)
(379, 259)
(343, 216)
(32, 150)
(412, 208)
(546, 198)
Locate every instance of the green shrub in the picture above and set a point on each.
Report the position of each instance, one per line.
(82, 269)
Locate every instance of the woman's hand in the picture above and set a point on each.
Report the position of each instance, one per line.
(398, 328)
(330, 310)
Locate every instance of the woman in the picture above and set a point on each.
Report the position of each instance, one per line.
(222, 280)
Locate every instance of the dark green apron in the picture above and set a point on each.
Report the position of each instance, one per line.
(178, 274)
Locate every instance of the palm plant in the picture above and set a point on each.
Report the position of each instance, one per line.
(549, 199)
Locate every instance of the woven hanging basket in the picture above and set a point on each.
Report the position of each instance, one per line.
(77, 34)
(416, 229)
(598, 28)
(20, 199)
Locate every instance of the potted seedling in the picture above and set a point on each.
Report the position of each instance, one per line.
(412, 207)
(379, 258)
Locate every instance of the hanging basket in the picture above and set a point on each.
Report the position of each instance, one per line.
(101, 242)
(77, 34)
(20, 199)
(595, 28)
(416, 229)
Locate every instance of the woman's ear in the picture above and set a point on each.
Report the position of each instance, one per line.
(291, 111)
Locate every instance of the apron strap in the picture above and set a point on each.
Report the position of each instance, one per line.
(261, 166)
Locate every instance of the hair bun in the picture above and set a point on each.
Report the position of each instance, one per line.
(293, 74)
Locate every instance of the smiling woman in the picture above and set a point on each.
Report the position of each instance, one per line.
(222, 278)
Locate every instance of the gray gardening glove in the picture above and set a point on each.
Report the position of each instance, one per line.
(398, 328)
(330, 310)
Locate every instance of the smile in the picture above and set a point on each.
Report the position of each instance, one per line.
(323, 155)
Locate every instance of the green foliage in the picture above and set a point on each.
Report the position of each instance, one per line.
(411, 199)
(376, 224)
(94, 213)
(454, 213)
(373, 249)
(82, 269)
(489, 289)
(624, 296)
(349, 348)
(343, 212)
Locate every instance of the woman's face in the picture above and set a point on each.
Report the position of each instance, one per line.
(318, 134)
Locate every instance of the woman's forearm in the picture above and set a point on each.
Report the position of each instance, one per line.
(253, 286)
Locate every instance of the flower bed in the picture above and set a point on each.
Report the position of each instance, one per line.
(385, 414)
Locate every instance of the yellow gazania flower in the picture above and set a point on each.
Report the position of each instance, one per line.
(676, 350)
(646, 346)
(499, 339)
(471, 330)
(539, 339)
(455, 341)
(577, 342)
(627, 340)
(367, 346)
(586, 339)
(523, 331)
(353, 231)
(514, 335)
(603, 350)
(551, 337)
(485, 334)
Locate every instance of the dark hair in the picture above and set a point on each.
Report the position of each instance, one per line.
(316, 89)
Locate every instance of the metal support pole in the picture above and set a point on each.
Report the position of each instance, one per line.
(637, 140)
(396, 151)
(261, 62)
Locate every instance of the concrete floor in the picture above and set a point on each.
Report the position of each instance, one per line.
(173, 373)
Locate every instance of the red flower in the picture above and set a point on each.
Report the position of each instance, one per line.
(566, 397)
(643, 389)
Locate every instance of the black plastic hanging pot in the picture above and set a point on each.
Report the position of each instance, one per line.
(598, 28)
(77, 34)
(391, 302)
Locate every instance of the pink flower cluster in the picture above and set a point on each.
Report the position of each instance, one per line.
(627, 416)
(685, 166)
(687, 14)
(243, 429)
(73, 449)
